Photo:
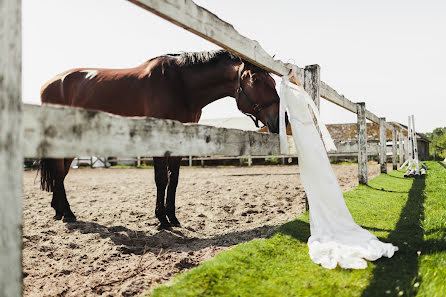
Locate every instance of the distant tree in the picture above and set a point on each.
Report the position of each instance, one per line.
(438, 142)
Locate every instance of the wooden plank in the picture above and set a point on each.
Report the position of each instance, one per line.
(383, 145)
(312, 83)
(207, 25)
(415, 142)
(400, 149)
(11, 159)
(57, 131)
(394, 149)
(352, 147)
(362, 144)
(331, 95)
(406, 148)
(410, 139)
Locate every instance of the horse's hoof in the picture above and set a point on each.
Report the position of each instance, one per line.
(174, 222)
(57, 217)
(69, 219)
(164, 226)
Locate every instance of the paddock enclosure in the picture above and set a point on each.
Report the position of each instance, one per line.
(28, 131)
(118, 251)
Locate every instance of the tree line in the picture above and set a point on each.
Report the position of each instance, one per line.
(437, 148)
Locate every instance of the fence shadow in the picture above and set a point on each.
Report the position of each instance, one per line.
(298, 229)
(384, 190)
(442, 164)
(399, 273)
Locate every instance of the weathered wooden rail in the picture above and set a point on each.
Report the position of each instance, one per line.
(85, 132)
(38, 135)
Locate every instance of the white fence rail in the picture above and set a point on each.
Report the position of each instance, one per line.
(57, 132)
(66, 132)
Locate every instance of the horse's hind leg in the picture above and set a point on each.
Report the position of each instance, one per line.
(52, 176)
(53, 173)
(68, 214)
(161, 180)
(58, 171)
(174, 172)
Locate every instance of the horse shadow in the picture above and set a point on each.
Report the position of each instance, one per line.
(176, 240)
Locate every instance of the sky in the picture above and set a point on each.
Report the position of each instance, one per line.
(390, 54)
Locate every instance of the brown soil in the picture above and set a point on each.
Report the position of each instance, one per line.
(115, 248)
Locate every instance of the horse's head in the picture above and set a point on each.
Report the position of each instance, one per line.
(257, 97)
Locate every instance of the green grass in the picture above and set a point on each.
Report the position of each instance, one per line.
(410, 213)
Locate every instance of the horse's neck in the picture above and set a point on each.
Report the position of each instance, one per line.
(209, 83)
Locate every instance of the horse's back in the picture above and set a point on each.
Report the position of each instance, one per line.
(52, 90)
(152, 89)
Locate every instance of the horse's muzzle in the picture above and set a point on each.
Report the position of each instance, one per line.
(273, 125)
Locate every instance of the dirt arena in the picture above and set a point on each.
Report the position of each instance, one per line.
(115, 248)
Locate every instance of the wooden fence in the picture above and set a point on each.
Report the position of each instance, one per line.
(50, 131)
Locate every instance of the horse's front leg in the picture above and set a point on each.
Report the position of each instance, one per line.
(173, 164)
(161, 180)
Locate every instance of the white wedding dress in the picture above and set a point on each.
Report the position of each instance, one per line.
(335, 237)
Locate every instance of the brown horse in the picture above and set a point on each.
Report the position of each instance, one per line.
(173, 87)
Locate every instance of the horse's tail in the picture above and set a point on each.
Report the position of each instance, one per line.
(47, 170)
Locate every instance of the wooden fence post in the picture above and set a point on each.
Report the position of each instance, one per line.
(11, 156)
(410, 141)
(394, 150)
(383, 145)
(400, 149)
(312, 85)
(362, 144)
(406, 146)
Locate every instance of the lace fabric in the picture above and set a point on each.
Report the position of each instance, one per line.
(335, 237)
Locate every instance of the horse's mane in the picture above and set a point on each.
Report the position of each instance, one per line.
(208, 57)
(205, 57)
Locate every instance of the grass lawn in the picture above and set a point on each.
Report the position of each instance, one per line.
(410, 213)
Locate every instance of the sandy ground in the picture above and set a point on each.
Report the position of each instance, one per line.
(115, 248)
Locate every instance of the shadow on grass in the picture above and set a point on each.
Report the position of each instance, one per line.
(394, 176)
(297, 229)
(391, 276)
(300, 230)
(384, 190)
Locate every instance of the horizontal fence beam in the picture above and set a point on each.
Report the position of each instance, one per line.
(55, 131)
(207, 25)
(331, 95)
